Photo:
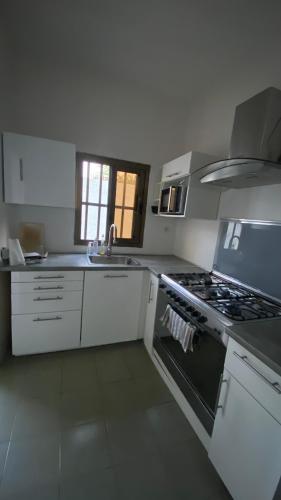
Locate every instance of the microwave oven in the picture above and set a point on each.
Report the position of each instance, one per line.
(173, 198)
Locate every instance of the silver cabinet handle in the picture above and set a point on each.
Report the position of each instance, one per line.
(244, 359)
(116, 276)
(150, 295)
(59, 276)
(173, 175)
(222, 381)
(55, 318)
(40, 299)
(49, 288)
(21, 169)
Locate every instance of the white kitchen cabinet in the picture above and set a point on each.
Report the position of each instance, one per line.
(185, 165)
(111, 306)
(46, 311)
(152, 293)
(45, 332)
(246, 441)
(38, 171)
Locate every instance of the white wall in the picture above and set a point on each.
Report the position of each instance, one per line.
(4, 121)
(209, 130)
(100, 116)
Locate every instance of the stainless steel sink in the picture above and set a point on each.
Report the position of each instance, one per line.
(113, 260)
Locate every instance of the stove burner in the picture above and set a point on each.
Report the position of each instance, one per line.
(233, 301)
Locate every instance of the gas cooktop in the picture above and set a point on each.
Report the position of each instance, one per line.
(233, 301)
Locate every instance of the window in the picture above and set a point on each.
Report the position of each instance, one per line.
(110, 191)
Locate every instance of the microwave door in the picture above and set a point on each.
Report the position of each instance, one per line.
(178, 199)
(165, 200)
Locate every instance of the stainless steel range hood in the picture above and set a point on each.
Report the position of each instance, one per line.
(255, 150)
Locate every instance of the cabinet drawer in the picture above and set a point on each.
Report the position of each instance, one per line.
(257, 378)
(45, 332)
(26, 303)
(37, 276)
(47, 286)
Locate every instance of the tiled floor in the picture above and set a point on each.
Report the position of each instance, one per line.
(97, 424)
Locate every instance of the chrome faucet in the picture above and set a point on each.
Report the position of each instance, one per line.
(112, 235)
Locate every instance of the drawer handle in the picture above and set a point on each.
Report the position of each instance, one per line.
(173, 175)
(116, 276)
(55, 318)
(244, 359)
(59, 276)
(40, 299)
(150, 295)
(49, 288)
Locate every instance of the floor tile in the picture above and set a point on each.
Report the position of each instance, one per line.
(191, 474)
(3, 454)
(138, 361)
(151, 391)
(45, 491)
(36, 417)
(9, 403)
(78, 408)
(169, 424)
(79, 374)
(100, 485)
(31, 462)
(84, 449)
(144, 481)
(111, 366)
(130, 438)
(119, 398)
(41, 381)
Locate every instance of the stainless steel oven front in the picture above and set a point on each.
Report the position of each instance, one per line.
(198, 373)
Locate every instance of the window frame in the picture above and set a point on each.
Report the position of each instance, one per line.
(141, 169)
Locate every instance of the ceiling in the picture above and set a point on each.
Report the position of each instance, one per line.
(175, 47)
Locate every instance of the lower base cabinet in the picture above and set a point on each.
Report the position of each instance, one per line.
(246, 441)
(111, 307)
(45, 332)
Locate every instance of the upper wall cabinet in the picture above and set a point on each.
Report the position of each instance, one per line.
(185, 165)
(181, 192)
(38, 171)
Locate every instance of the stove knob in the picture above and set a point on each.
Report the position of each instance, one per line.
(195, 313)
(177, 299)
(182, 302)
(162, 286)
(169, 292)
(202, 319)
(189, 308)
(173, 295)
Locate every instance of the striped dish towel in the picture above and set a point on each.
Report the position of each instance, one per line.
(181, 330)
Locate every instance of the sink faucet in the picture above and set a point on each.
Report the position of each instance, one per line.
(112, 235)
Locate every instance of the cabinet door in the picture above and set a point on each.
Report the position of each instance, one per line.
(38, 171)
(150, 312)
(246, 444)
(176, 168)
(111, 306)
(45, 332)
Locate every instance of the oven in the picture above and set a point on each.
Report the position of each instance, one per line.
(198, 373)
(173, 197)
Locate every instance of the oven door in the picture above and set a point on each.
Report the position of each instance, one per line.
(196, 373)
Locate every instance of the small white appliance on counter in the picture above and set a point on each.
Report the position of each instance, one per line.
(182, 194)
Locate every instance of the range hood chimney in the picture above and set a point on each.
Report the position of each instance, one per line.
(255, 149)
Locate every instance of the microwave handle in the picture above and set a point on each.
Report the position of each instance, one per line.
(169, 200)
